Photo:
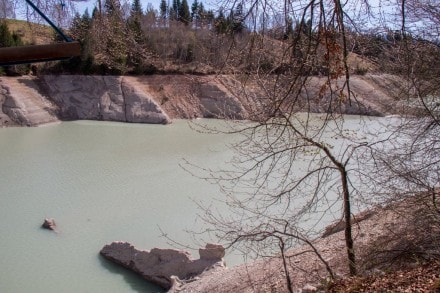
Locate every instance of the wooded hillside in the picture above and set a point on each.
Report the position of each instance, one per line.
(289, 58)
(188, 38)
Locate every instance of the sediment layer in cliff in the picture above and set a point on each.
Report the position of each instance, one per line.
(31, 101)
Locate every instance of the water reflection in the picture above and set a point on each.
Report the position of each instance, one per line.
(101, 182)
(136, 282)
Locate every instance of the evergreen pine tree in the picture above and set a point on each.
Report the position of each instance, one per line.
(134, 21)
(174, 10)
(208, 17)
(86, 44)
(195, 11)
(76, 27)
(136, 9)
(95, 13)
(86, 19)
(202, 10)
(80, 26)
(184, 14)
(113, 37)
(163, 9)
(237, 19)
(6, 39)
(112, 8)
(220, 24)
(289, 29)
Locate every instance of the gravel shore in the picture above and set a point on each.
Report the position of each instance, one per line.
(384, 229)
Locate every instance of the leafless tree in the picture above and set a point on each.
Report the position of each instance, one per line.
(290, 165)
(409, 163)
(7, 9)
(272, 190)
(60, 12)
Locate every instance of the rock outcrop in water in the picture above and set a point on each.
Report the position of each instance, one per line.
(49, 223)
(164, 266)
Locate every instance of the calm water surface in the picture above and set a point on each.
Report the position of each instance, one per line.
(101, 182)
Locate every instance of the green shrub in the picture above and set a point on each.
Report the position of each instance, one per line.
(361, 70)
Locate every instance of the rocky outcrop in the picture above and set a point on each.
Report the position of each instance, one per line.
(24, 103)
(110, 98)
(164, 267)
(217, 102)
(160, 98)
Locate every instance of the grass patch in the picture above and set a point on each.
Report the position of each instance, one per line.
(31, 33)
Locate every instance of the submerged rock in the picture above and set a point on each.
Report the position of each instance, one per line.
(162, 266)
(49, 223)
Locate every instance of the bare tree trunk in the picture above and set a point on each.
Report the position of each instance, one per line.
(286, 270)
(349, 243)
(348, 227)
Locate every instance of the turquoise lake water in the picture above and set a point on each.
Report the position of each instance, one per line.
(102, 182)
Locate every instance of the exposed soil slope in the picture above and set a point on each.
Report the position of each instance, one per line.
(24, 103)
(383, 241)
(152, 99)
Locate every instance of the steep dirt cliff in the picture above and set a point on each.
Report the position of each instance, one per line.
(24, 103)
(160, 98)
